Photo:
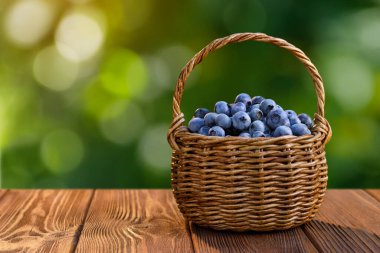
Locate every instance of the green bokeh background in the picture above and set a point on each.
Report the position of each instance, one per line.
(86, 86)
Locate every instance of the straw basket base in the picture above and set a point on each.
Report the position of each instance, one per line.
(261, 185)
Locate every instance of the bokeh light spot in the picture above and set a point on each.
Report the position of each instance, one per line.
(124, 74)
(175, 57)
(61, 151)
(350, 81)
(154, 149)
(122, 122)
(54, 71)
(28, 21)
(78, 37)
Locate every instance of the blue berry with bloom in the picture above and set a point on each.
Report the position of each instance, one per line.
(210, 119)
(201, 112)
(222, 107)
(281, 131)
(238, 107)
(216, 131)
(300, 129)
(305, 119)
(241, 121)
(204, 130)
(223, 121)
(195, 124)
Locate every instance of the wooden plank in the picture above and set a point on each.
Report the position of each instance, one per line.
(2, 192)
(349, 221)
(42, 221)
(291, 240)
(134, 221)
(374, 193)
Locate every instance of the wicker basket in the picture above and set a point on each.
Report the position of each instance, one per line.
(241, 184)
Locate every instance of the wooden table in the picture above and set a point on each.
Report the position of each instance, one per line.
(149, 221)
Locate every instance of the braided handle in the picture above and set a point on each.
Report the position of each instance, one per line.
(178, 117)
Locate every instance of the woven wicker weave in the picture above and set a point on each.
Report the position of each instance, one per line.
(240, 184)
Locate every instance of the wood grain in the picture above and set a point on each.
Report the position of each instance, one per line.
(292, 240)
(134, 221)
(349, 221)
(41, 221)
(374, 193)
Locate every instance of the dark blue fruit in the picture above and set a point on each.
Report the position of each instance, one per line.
(267, 105)
(258, 134)
(216, 131)
(305, 119)
(201, 112)
(210, 119)
(255, 114)
(241, 121)
(257, 100)
(243, 98)
(281, 131)
(277, 117)
(204, 130)
(222, 107)
(256, 126)
(245, 135)
(300, 129)
(238, 107)
(195, 124)
(223, 121)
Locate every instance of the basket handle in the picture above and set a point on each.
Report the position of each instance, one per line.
(178, 117)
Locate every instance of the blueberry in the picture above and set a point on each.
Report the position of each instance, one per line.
(267, 135)
(294, 120)
(278, 107)
(222, 107)
(223, 121)
(216, 131)
(254, 106)
(204, 130)
(266, 105)
(256, 126)
(258, 134)
(201, 112)
(257, 100)
(300, 129)
(305, 119)
(210, 119)
(243, 98)
(245, 135)
(291, 113)
(195, 124)
(282, 130)
(241, 120)
(238, 107)
(255, 114)
(277, 117)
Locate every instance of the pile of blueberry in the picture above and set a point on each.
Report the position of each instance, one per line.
(249, 117)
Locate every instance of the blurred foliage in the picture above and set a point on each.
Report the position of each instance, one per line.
(86, 86)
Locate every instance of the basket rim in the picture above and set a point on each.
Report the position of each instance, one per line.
(183, 133)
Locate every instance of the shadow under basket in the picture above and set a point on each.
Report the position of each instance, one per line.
(244, 184)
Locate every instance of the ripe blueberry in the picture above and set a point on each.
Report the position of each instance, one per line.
(216, 131)
(195, 124)
(241, 120)
(201, 112)
(222, 107)
(223, 121)
(282, 130)
(300, 129)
